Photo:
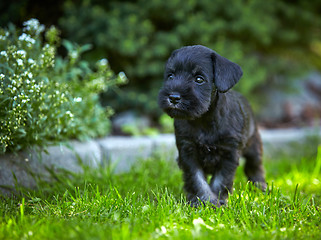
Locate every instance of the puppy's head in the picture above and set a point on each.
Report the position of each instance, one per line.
(191, 76)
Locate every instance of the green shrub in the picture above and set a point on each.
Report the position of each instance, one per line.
(45, 98)
(267, 40)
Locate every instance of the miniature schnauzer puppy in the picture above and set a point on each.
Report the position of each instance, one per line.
(213, 126)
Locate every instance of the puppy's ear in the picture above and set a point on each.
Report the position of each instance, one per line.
(226, 73)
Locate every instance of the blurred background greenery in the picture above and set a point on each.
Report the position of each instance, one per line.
(274, 41)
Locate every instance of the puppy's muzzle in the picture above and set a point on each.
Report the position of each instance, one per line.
(174, 98)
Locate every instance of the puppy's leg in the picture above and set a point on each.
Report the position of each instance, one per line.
(197, 188)
(195, 183)
(222, 180)
(253, 162)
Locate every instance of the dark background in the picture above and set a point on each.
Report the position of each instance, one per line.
(277, 43)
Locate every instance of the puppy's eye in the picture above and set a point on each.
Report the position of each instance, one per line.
(199, 80)
(170, 76)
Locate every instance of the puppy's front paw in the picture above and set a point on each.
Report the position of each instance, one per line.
(261, 185)
(196, 202)
(222, 202)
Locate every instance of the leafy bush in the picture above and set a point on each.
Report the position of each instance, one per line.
(267, 40)
(48, 98)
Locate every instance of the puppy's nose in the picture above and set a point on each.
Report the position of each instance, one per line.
(174, 98)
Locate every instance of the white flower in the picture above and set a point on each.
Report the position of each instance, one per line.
(31, 61)
(200, 222)
(3, 53)
(20, 62)
(74, 54)
(4, 37)
(163, 229)
(30, 75)
(33, 22)
(23, 37)
(78, 99)
(103, 62)
(27, 38)
(123, 78)
(2, 76)
(33, 25)
(22, 52)
(32, 41)
(69, 114)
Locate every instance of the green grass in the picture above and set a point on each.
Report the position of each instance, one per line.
(148, 203)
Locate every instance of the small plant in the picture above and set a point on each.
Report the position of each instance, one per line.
(45, 98)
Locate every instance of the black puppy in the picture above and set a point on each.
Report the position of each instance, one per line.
(213, 126)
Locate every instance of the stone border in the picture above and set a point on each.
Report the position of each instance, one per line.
(121, 152)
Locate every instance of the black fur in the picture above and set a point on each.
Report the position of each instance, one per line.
(213, 126)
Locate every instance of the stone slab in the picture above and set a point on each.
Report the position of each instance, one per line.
(24, 167)
(121, 153)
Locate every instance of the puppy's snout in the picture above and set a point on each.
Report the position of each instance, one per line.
(174, 98)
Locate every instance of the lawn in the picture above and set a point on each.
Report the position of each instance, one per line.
(148, 203)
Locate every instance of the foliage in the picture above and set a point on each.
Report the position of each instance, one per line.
(47, 98)
(134, 130)
(272, 42)
(167, 124)
(148, 203)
